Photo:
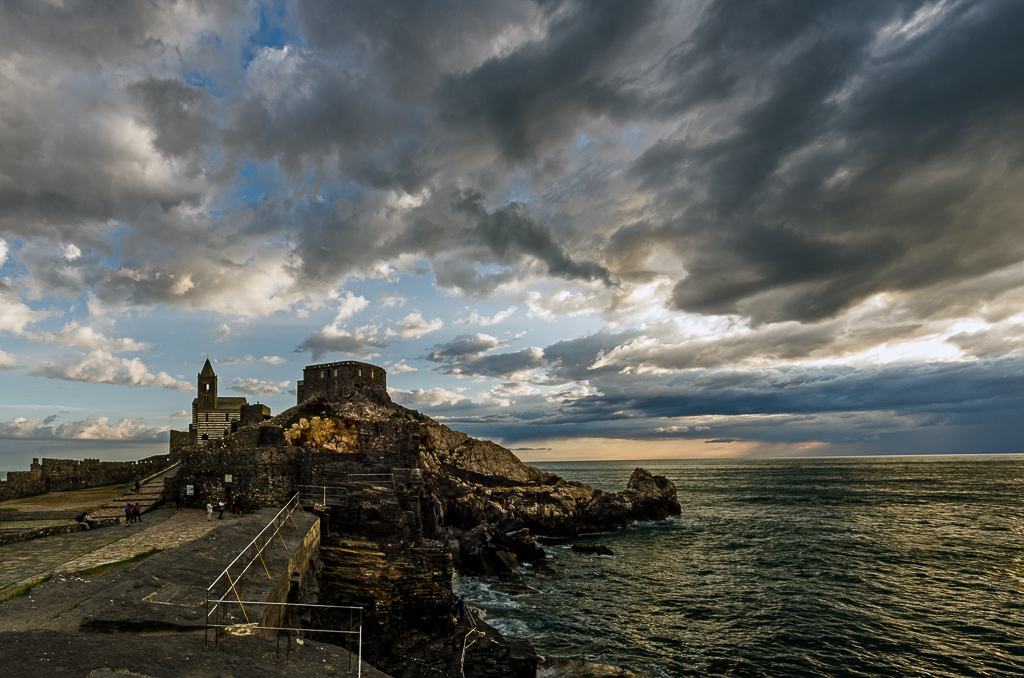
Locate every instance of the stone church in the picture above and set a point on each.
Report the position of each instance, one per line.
(214, 416)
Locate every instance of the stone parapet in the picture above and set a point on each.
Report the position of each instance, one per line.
(59, 475)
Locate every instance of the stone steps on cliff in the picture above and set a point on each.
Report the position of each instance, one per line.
(147, 497)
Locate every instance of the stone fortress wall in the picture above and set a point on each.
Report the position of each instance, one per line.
(58, 475)
(333, 381)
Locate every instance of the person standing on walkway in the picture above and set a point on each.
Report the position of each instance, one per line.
(138, 512)
(138, 483)
(209, 510)
(127, 514)
(221, 505)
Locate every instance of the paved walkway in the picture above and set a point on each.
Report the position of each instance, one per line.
(24, 562)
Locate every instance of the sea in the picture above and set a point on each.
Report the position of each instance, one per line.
(872, 566)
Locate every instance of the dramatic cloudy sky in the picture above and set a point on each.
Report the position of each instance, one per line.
(583, 229)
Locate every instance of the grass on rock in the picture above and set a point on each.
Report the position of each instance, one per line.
(138, 557)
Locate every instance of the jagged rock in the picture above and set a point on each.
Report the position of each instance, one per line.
(583, 669)
(456, 454)
(562, 508)
(593, 549)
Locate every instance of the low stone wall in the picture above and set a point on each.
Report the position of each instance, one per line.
(59, 475)
(294, 579)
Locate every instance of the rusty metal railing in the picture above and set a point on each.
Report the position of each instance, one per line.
(287, 629)
(235, 585)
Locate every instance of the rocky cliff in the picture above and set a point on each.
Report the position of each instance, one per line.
(487, 503)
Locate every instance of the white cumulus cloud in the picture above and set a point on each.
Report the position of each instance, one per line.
(255, 387)
(74, 335)
(475, 318)
(432, 397)
(92, 428)
(415, 325)
(100, 367)
(8, 362)
(350, 305)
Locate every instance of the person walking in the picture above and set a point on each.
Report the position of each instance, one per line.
(221, 505)
(138, 512)
(209, 510)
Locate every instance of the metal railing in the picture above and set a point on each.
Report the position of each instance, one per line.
(323, 495)
(255, 549)
(247, 566)
(351, 634)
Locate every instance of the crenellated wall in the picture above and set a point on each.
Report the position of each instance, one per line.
(338, 380)
(58, 475)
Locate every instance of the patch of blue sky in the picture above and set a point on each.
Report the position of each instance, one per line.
(581, 141)
(11, 265)
(350, 190)
(519, 190)
(254, 181)
(114, 240)
(270, 19)
(216, 88)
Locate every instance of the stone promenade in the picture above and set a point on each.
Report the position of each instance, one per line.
(28, 561)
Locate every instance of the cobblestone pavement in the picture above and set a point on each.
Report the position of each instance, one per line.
(24, 562)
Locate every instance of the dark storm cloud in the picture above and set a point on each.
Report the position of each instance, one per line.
(811, 154)
(470, 346)
(62, 154)
(838, 157)
(507, 231)
(179, 114)
(466, 355)
(900, 387)
(329, 340)
(833, 404)
(545, 90)
(412, 42)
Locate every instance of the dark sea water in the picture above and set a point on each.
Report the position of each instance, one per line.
(910, 566)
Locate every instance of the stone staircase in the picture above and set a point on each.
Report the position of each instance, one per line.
(148, 495)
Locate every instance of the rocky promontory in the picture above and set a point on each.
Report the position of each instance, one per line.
(404, 501)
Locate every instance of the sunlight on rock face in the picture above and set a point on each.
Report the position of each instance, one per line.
(323, 434)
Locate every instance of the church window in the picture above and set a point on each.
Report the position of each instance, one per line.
(321, 374)
(360, 372)
(371, 374)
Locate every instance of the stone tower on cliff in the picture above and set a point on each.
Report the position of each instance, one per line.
(335, 381)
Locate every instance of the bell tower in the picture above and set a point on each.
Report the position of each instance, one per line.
(207, 396)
